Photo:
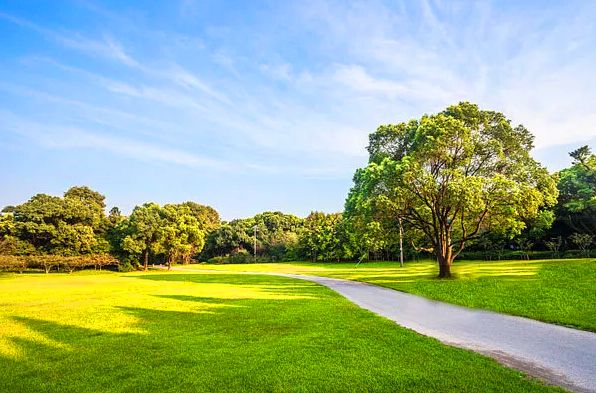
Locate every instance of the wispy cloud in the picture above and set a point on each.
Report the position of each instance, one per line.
(106, 47)
(68, 137)
(268, 97)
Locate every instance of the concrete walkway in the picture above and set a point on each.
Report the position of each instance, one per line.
(556, 354)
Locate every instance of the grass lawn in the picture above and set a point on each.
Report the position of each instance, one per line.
(211, 332)
(556, 291)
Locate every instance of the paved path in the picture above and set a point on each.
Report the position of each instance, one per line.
(559, 355)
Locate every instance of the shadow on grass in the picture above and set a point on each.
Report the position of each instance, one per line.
(269, 286)
(297, 344)
(175, 350)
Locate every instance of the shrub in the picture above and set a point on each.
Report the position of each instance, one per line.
(57, 262)
(240, 256)
(12, 263)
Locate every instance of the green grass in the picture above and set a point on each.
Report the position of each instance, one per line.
(211, 332)
(556, 291)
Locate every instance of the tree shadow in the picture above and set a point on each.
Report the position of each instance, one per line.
(316, 343)
(168, 350)
(174, 351)
(270, 286)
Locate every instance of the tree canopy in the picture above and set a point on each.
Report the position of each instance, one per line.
(72, 225)
(453, 176)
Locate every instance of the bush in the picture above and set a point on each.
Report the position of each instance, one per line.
(57, 262)
(516, 254)
(240, 256)
(12, 263)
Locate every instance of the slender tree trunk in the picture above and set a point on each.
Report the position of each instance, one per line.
(401, 246)
(146, 260)
(444, 254)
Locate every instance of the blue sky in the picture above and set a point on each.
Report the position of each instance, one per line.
(253, 106)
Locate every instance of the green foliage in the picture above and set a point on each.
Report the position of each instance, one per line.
(182, 235)
(12, 245)
(207, 217)
(452, 176)
(76, 225)
(176, 232)
(7, 226)
(142, 231)
(321, 237)
(239, 256)
(226, 239)
(582, 240)
(277, 237)
(459, 178)
(72, 225)
(577, 192)
(281, 237)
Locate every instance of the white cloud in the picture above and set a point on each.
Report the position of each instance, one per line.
(66, 137)
(372, 65)
(539, 71)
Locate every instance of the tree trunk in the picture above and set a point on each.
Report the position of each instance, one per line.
(401, 246)
(444, 257)
(146, 260)
(444, 267)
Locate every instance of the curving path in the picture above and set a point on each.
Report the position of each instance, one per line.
(556, 354)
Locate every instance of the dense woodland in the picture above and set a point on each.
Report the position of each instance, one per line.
(457, 184)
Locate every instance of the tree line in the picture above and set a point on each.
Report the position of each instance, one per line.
(460, 183)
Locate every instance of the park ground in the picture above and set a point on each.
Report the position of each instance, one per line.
(560, 291)
(222, 331)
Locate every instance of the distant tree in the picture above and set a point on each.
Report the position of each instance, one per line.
(277, 237)
(554, 244)
(115, 216)
(229, 237)
(582, 155)
(321, 237)
(277, 233)
(453, 176)
(577, 192)
(8, 209)
(583, 241)
(7, 225)
(143, 232)
(72, 225)
(181, 236)
(207, 217)
(86, 196)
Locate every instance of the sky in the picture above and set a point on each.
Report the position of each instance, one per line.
(264, 106)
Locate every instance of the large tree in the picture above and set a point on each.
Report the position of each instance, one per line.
(453, 176)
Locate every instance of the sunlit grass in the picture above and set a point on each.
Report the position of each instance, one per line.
(214, 331)
(556, 291)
